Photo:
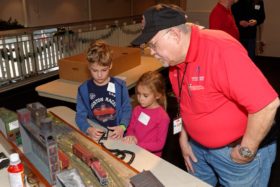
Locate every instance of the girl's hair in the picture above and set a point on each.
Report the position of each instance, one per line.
(154, 81)
(100, 53)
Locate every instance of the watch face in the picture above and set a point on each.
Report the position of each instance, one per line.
(245, 152)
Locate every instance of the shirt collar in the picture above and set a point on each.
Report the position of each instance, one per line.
(193, 47)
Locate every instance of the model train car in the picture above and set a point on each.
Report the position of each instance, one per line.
(89, 159)
(63, 160)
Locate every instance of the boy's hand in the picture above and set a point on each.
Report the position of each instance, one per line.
(130, 140)
(94, 133)
(116, 133)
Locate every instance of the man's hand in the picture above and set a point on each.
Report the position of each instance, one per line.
(252, 22)
(116, 132)
(236, 157)
(187, 151)
(130, 140)
(244, 23)
(94, 133)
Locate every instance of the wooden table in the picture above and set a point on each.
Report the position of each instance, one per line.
(66, 90)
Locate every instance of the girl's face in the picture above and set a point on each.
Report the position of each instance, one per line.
(146, 97)
(100, 74)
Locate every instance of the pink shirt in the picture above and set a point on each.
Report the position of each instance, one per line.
(152, 135)
(221, 86)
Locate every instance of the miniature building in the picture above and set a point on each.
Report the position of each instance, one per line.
(9, 125)
(38, 112)
(39, 144)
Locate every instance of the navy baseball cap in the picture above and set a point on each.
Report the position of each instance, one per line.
(159, 17)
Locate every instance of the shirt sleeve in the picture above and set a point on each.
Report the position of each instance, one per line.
(260, 17)
(131, 126)
(215, 20)
(126, 106)
(239, 12)
(81, 113)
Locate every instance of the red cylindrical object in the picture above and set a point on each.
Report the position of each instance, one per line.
(16, 171)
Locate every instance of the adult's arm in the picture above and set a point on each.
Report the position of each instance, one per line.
(240, 13)
(261, 14)
(215, 20)
(187, 151)
(258, 126)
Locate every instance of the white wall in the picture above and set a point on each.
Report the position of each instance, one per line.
(198, 12)
(271, 29)
(44, 12)
(50, 12)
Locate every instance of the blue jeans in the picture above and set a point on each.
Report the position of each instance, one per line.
(216, 165)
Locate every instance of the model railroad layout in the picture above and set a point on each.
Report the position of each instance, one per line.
(96, 166)
(56, 146)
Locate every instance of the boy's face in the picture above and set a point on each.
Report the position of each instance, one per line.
(100, 74)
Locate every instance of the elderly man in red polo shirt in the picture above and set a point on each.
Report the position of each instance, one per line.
(226, 105)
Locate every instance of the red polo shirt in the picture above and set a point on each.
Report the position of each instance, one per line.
(221, 86)
(221, 18)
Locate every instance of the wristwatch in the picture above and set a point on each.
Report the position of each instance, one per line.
(245, 152)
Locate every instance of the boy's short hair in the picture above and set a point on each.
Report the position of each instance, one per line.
(99, 52)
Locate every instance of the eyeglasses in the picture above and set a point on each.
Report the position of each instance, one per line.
(153, 46)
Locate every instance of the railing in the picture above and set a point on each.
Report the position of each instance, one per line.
(32, 54)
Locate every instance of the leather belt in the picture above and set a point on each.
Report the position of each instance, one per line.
(270, 138)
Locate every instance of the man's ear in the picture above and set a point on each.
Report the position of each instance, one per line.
(111, 66)
(175, 34)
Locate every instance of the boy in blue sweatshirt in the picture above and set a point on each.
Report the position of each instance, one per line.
(102, 99)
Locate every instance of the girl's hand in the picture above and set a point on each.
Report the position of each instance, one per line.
(116, 132)
(94, 133)
(130, 140)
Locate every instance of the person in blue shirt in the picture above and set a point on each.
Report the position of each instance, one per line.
(102, 99)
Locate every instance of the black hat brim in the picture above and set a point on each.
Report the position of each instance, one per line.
(144, 38)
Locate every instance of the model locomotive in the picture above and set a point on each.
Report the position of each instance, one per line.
(90, 160)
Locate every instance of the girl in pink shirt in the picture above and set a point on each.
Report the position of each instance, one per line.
(149, 123)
